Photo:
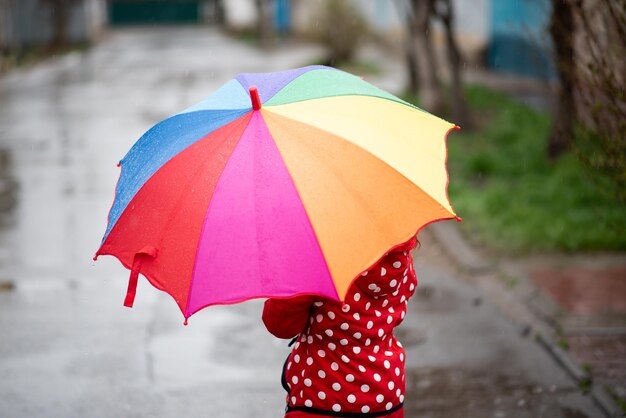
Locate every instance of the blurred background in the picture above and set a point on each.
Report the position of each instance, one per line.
(521, 308)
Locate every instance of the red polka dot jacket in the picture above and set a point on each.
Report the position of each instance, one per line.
(346, 360)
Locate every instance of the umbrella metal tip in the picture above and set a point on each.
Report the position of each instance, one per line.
(254, 97)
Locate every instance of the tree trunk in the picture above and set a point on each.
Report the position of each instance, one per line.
(60, 13)
(562, 33)
(458, 105)
(264, 22)
(431, 97)
(409, 51)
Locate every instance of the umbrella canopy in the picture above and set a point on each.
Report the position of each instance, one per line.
(276, 185)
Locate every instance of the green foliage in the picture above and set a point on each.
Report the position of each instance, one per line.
(512, 199)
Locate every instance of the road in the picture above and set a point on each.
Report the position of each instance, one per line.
(69, 348)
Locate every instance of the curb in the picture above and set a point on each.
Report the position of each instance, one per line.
(449, 236)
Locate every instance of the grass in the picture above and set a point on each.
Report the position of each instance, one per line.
(512, 199)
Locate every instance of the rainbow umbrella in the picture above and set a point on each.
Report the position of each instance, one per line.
(276, 185)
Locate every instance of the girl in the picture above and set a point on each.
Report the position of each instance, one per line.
(345, 361)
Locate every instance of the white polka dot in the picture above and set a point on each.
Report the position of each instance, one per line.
(331, 314)
(377, 377)
(368, 342)
(344, 326)
(345, 359)
(321, 353)
(319, 337)
(364, 273)
(321, 373)
(319, 317)
(345, 307)
(367, 305)
(383, 271)
(307, 382)
(303, 338)
(334, 366)
(332, 346)
(294, 380)
(391, 310)
(309, 339)
(293, 399)
(361, 369)
(288, 365)
(376, 349)
(381, 332)
(321, 395)
(378, 314)
(399, 344)
(404, 279)
(398, 392)
(343, 341)
(336, 407)
(377, 290)
(393, 283)
(388, 406)
(356, 350)
(357, 296)
(318, 304)
(296, 358)
(329, 332)
(389, 319)
(370, 324)
(357, 316)
(349, 378)
(371, 286)
(357, 335)
(397, 265)
(385, 303)
(401, 398)
(365, 409)
(309, 361)
(402, 314)
(336, 387)
(365, 388)
(296, 345)
(371, 358)
(401, 356)
(351, 398)
(395, 293)
(380, 398)
(388, 353)
(390, 385)
(387, 364)
(402, 299)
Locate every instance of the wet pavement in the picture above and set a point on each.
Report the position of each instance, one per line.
(69, 348)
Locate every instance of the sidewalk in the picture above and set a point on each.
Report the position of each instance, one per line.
(573, 305)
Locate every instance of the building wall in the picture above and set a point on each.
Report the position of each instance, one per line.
(26, 23)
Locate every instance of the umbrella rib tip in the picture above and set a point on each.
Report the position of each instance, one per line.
(254, 97)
